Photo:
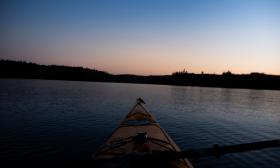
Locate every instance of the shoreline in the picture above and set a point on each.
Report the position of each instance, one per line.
(113, 82)
(23, 70)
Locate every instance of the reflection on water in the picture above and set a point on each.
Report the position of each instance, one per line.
(60, 122)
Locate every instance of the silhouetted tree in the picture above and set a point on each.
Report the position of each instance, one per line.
(228, 73)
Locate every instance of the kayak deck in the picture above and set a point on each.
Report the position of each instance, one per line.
(122, 143)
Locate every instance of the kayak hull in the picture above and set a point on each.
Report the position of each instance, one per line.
(121, 145)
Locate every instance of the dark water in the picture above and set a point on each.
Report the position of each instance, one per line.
(59, 122)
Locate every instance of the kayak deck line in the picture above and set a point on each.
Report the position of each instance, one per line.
(138, 134)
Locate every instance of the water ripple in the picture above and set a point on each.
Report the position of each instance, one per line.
(57, 122)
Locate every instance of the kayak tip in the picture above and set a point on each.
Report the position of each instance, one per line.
(140, 101)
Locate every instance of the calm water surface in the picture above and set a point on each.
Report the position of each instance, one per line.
(46, 122)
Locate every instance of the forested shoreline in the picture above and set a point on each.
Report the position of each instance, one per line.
(27, 70)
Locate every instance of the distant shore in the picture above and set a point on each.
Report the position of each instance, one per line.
(21, 69)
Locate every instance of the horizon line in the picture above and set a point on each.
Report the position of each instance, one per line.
(180, 71)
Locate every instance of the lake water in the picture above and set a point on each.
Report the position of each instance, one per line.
(44, 122)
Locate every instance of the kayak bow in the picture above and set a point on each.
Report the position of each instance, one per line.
(138, 135)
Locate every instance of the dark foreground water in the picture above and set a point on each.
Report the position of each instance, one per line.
(60, 122)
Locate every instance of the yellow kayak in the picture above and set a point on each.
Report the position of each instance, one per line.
(138, 135)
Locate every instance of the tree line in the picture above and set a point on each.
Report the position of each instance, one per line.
(21, 69)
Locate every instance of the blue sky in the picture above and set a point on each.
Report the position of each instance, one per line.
(144, 37)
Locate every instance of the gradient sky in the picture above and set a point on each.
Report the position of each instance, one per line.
(144, 36)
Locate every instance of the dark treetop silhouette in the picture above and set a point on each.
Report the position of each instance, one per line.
(20, 69)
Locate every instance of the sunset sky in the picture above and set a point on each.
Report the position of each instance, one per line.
(144, 36)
